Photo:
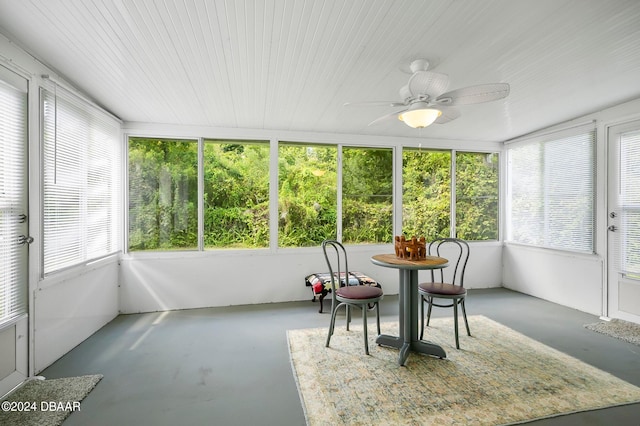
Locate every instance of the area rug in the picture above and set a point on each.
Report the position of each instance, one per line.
(623, 330)
(498, 377)
(46, 402)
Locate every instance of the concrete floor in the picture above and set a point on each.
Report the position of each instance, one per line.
(230, 366)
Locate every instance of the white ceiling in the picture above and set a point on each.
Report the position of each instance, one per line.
(292, 64)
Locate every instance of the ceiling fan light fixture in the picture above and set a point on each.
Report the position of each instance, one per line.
(419, 116)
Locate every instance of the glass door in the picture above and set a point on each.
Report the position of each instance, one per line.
(623, 287)
(14, 236)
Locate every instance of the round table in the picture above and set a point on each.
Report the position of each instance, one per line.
(408, 339)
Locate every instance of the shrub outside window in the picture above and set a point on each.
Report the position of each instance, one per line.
(367, 195)
(236, 194)
(426, 193)
(307, 194)
(163, 194)
(316, 199)
(477, 198)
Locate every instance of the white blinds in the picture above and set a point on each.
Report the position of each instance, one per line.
(629, 208)
(82, 152)
(13, 184)
(551, 191)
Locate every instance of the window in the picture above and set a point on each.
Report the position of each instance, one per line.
(163, 194)
(310, 208)
(236, 194)
(13, 194)
(477, 196)
(551, 191)
(82, 174)
(367, 195)
(323, 191)
(307, 194)
(426, 193)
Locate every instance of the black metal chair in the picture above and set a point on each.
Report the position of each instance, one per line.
(446, 284)
(344, 294)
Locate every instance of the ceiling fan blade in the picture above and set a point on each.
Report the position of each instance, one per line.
(387, 117)
(428, 83)
(448, 114)
(374, 103)
(475, 94)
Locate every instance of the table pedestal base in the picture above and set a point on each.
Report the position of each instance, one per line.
(420, 346)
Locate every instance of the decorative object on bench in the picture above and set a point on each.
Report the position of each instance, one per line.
(450, 288)
(349, 296)
(413, 249)
(320, 283)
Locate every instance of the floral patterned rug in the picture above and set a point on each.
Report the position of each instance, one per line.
(498, 377)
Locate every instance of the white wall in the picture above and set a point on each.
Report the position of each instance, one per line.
(571, 280)
(71, 307)
(156, 282)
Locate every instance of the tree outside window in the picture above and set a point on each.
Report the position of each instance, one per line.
(367, 195)
(236, 194)
(426, 193)
(163, 194)
(477, 196)
(307, 194)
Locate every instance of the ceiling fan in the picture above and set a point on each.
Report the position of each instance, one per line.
(426, 101)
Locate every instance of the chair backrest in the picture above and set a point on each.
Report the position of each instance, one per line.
(457, 251)
(336, 256)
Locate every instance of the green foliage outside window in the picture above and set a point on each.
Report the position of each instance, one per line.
(426, 199)
(477, 196)
(367, 195)
(163, 194)
(236, 194)
(426, 193)
(307, 188)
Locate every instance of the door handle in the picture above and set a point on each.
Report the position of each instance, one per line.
(22, 239)
(612, 228)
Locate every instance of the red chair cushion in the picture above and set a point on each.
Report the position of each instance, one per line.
(359, 292)
(444, 289)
